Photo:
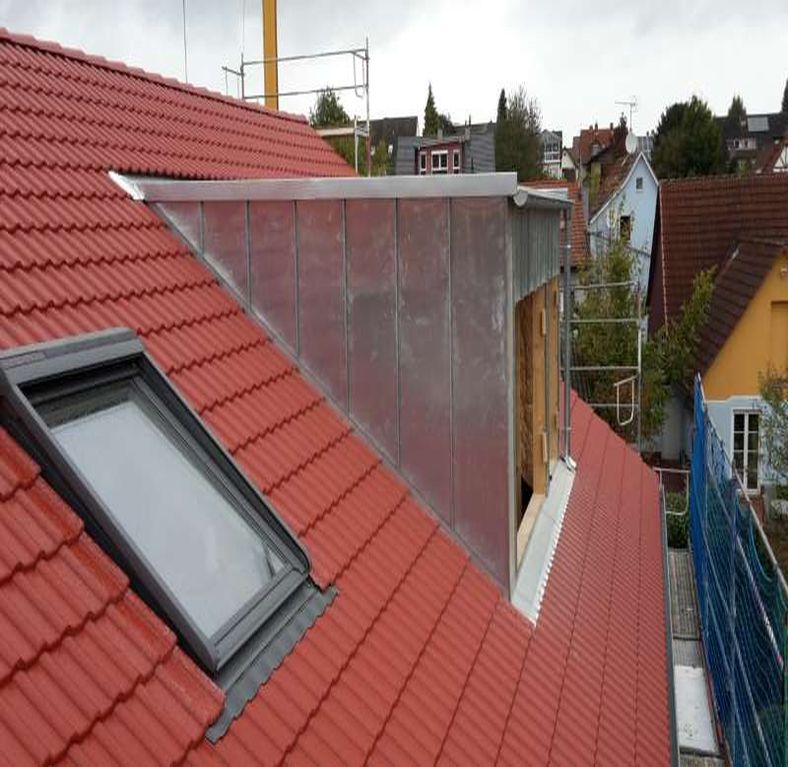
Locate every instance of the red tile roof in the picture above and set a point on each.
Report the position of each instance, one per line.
(580, 252)
(591, 142)
(701, 221)
(419, 658)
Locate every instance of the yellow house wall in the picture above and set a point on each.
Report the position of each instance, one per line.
(757, 341)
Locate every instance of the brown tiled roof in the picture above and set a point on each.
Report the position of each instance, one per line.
(583, 145)
(580, 252)
(701, 221)
(736, 283)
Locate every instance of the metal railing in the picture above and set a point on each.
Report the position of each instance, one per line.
(743, 604)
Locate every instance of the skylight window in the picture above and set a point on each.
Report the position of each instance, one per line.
(159, 494)
(186, 528)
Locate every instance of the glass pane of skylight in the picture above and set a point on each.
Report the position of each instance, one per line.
(190, 532)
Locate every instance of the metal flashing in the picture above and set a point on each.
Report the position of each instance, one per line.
(263, 654)
(153, 190)
(43, 375)
(531, 582)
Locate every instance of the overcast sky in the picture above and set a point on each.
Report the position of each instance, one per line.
(578, 57)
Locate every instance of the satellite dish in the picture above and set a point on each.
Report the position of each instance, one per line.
(631, 143)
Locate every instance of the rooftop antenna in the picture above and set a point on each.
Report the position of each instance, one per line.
(632, 103)
(185, 59)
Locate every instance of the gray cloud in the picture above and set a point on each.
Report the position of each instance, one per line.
(577, 57)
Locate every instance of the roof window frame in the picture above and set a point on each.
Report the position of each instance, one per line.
(32, 377)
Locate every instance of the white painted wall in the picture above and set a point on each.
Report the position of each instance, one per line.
(640, 205)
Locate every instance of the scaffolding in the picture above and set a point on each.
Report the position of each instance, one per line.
(360, 129)
(613, 389)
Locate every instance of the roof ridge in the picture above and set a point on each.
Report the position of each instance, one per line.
(719, 178)
(29, 41)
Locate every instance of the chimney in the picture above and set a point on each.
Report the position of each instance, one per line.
(440, 133)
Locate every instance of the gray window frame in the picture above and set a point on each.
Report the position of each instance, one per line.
(31, 376)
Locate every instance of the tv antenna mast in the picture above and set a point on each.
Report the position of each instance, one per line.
(632, 104)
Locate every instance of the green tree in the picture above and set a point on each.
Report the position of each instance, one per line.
(381, 162)
(431, 116)
(446, 125)
(328, 112)
(785, 97)
(774, 430)
(667, 357)
(737, 114)
(518, 145)
(503, 108)
(688, 142)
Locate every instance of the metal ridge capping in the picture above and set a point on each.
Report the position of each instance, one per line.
(385, 187)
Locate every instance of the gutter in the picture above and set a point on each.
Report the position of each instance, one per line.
(672, 721)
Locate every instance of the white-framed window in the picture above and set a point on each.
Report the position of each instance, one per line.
(422, 163)
(551, 152)
(746, 447)
(639, 184)
(456, 161)
(440, 161)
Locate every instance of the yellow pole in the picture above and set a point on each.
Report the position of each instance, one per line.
(270, 68)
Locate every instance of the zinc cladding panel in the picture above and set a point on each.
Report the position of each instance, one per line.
(128, 694)
(536, 251)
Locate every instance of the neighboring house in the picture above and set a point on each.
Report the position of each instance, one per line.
(594, 141)
(739, 226)
(746, 140)
(591, 142)
(552, 153)
(579, 238)
(388, 130)
(621, 190)
(773, 158)
(570, 165)
(470, 150)
(398, 647)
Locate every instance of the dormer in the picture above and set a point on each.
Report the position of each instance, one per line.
(427, 310)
